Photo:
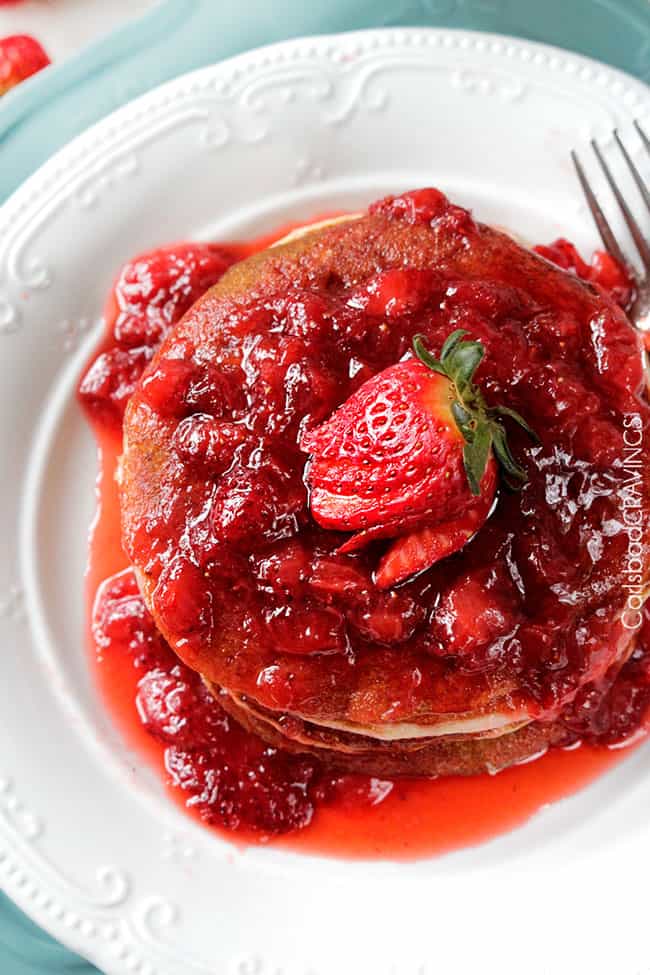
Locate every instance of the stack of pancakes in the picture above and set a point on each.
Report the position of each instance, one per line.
(460, 722)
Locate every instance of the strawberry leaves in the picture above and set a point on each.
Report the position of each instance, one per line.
(475, 456)
(480, 425)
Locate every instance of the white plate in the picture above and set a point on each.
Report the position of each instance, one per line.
(90, 846)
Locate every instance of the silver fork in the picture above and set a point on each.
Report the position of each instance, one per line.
(640, 310)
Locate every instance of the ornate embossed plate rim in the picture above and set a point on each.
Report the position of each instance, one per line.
(114, 926)
(77, 168)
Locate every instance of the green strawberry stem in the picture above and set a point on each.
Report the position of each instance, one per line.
(480, 424)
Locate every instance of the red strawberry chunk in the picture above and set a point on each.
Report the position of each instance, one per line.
(183, 601)
(338, 578)
(394, 293)
(21, 56)
(611, 276)
(425, 206)
(306, 629)
(263, 503)
(109, 383)
(243, 783)
(604, 269)
(155, 290)
(476, 611)
(565, 254)
(178, 709)
(121, 619)
(416, 206)
(285, 569)
(208, 444)
(388, 618)
(166, 388)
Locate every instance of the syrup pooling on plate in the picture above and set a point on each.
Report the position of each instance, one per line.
(150, 295)
(230, 777)
(161, 676)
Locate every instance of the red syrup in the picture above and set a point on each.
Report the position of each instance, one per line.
(350, 816)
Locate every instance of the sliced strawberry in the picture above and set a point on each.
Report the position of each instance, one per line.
(407, 525)
(387, 452)
(21, 56)
(412, 454)
(417, 551)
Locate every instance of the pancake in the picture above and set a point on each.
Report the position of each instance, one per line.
(474, 753)
(282, 340)
(454, 755)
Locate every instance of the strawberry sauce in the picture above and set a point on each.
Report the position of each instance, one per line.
(227, 777)
(354, 817)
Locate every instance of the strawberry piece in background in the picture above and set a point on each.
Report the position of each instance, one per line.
(21, 56)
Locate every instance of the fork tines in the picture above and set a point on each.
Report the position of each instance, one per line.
(608, 237)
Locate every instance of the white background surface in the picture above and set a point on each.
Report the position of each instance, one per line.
(64, 26)
(90, 845)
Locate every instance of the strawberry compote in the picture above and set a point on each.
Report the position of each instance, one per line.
(215, 501)
(228, 776)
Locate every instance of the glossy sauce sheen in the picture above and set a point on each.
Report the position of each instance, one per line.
(348, 816)
(214, 498)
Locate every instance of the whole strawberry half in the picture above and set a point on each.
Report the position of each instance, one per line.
(412, 455)
(20, 57)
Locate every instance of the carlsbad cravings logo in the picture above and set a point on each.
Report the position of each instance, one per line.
(633, 519)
